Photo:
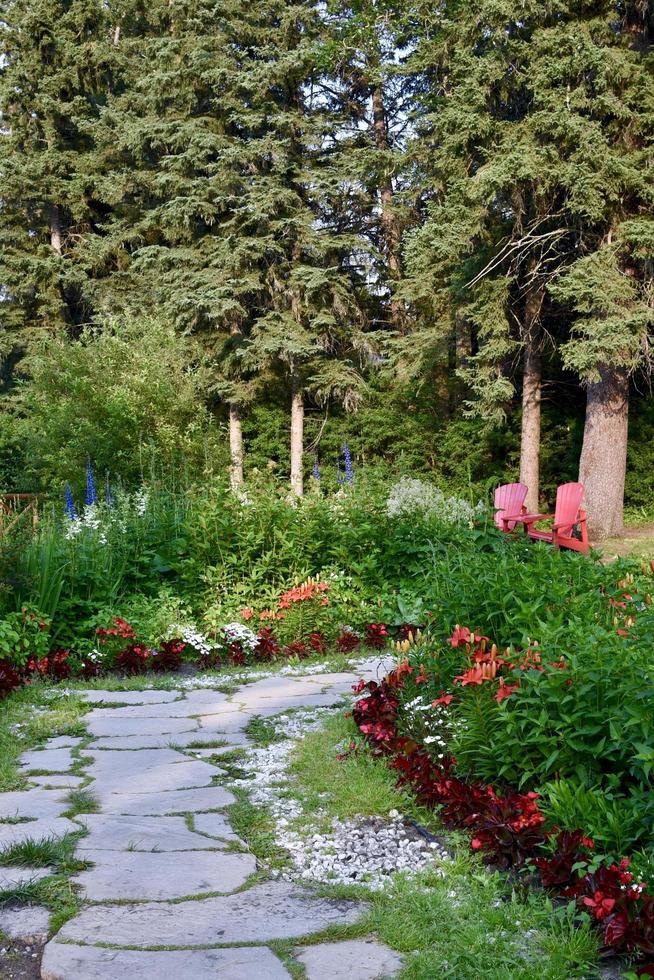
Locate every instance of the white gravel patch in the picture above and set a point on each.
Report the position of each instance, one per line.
(363, 850)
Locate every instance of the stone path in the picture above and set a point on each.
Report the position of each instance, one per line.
(171, 891)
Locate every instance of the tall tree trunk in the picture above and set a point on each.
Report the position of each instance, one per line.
(55, 230)
(235, 434)
(530, 434)
(391, 232)
(297, 435)
(235, 447)
(604, 452)
(531, 398)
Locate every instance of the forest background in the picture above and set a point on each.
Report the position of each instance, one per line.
(239, 237)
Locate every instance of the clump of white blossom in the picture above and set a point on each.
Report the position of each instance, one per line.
(238, 633)
(192, 638)
(410, 496)
(427, 722)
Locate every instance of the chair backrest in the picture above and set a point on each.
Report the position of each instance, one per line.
(568, 503)
(509, 499)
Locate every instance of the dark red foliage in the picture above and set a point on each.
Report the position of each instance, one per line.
(134, 659)
(236, 653)
(317, 642)
(407, 630)
(120, 630)
(375, 635)
(348, 640)
(58, 666)
(89, 669)
(556, 871)
(376, 714)
(9, 678)
(169, 656)
(267, 647)
(296, 649)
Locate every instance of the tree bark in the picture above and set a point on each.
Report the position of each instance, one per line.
(297, 435)
(603, 461)
(55, 230)
(530, 434)
(390, 228)
(235, 447)
(531, 399)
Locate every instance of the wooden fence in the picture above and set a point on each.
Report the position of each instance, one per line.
(16, 509)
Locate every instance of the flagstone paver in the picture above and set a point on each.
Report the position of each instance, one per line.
(62, 962)
(160, 842)
(365, 959)
(128, 697)
(48, 760)
(155, 876)
(17, 877)
(29, 924)
(134, 833)
(272, 910)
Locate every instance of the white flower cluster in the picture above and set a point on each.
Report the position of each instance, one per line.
(192, 638)
(429, 722)
(89, 519)
(238, 633)
(410, 496)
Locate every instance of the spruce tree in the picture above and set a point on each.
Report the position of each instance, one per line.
(57, 66)
(540, 114)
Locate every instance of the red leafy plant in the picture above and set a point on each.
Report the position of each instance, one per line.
(347, 641)
(375, 635)
(267, 647)
(168, 656)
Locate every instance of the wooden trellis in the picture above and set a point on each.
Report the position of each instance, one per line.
(16, 508)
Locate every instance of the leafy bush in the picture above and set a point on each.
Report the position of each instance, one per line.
(128, 394)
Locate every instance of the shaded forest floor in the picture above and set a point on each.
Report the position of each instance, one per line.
(637, 541)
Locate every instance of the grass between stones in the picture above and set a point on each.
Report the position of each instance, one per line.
(460, 921)
(56, 892)
(28, 717)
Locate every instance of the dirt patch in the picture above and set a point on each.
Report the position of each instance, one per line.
(20, 961)
(637, 541)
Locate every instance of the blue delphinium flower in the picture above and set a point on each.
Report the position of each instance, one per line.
(91, 492)
(349, 471)
(70, 503)
(316, 469)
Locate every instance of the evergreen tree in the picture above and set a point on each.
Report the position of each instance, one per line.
(57, 66)
(539, 119)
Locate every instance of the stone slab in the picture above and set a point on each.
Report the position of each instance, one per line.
(166, 709)
(58, 781)
(129, 833)
(30, 924)
(175, 801)
(66, 962)
(148, 771)
(63, 742)
(158, 877)
(128, 697)
(47, 760)
(354, 959)
(102, 727)
(215, 825)
(228, 722)
(35, 830)
(17, 877)
(35, 803)
(206, 696)
(272, 910)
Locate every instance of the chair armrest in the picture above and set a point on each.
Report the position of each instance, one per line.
(529, 518)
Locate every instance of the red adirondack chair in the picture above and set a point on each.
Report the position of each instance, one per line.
(509, 499)
(567, 515)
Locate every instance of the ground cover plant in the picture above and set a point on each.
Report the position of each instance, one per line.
(457, 914)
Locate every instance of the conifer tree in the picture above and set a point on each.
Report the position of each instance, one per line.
(57, 66)
(539, 120)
